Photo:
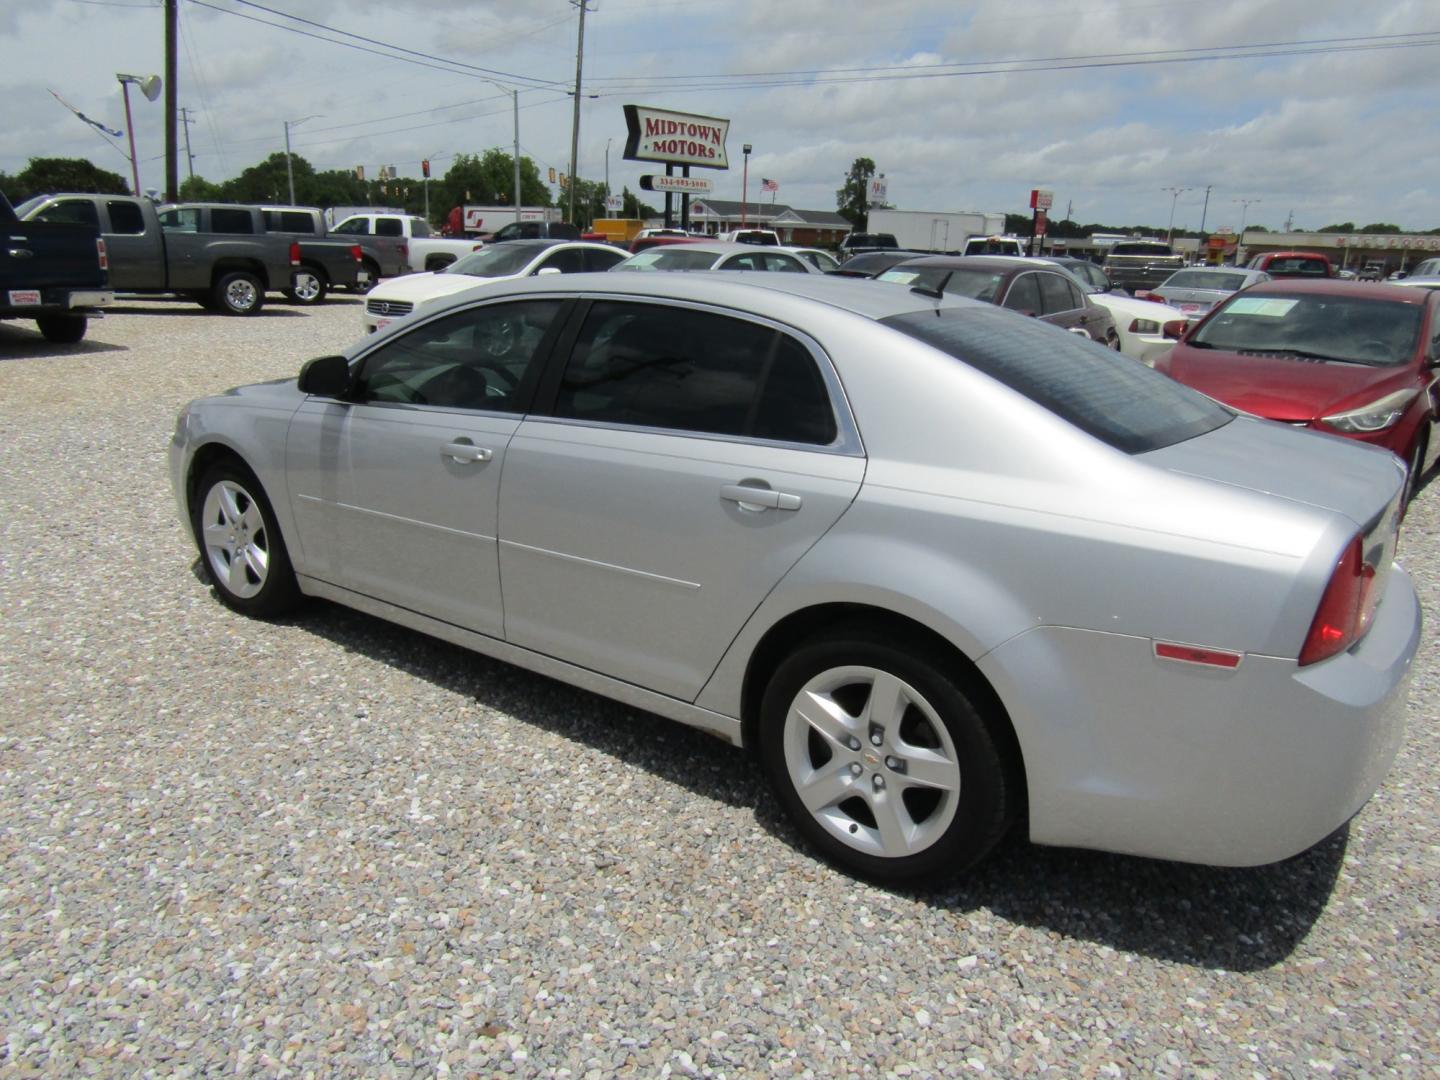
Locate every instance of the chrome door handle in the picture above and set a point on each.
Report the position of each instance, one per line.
(20, 253)
(758, 498)
(466, 452)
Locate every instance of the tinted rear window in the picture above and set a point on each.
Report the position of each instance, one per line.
(1100, 391)
(1206, 279)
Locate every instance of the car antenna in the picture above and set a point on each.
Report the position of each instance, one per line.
(935, 292)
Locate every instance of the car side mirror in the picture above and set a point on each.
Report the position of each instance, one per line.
(547, 270)
(1176, 329)
(325, 376)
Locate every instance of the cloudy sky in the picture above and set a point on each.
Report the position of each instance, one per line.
(1316, 110)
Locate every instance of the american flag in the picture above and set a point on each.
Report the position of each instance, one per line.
(769, 185)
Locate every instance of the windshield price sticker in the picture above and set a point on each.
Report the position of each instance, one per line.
(1258, 305)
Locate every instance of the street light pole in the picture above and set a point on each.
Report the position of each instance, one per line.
(290, 172)
(607, 175)
(745, 187)
(1240, 237)
(1175, 193)
(575, 124)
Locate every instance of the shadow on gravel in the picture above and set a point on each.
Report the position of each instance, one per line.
(1240, 920)
(18, 344)
(276, 310)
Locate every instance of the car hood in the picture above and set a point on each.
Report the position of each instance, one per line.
(1329, 471)
(416, 288)
(1277, 387)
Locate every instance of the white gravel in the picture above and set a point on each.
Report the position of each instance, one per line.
(330, 847)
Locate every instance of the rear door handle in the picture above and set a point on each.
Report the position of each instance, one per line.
(758, 498)
(466, 452)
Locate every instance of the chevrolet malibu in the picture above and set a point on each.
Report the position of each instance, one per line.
(941, 568)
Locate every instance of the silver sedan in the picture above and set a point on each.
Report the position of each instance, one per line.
(1198, 289)
(943, 568)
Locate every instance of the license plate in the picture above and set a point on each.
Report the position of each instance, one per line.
(24, 297)
(1188, 308)
(380, 324)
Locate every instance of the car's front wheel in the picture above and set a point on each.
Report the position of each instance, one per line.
(239, 293)
(240, 544)
(882, 758)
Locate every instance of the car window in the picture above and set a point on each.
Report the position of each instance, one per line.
(289, 221)
(1057, 294)
(71, 211)
(419, 228)
(963, 281)
(1358, 329)
(1205, 279)
(820, 260)
(354, 227)
(785, 264)
(694, 371)
(566, 260)
(669, 257)
(1127, 405)
(480, 358)
(180, 221)
(389, 226)
(603, 260)
(125, 218)
(1024, 295)
(744, 262)
(231, 222)
(1092, 275)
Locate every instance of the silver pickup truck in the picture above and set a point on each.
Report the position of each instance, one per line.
(216, 254)
(1140, 265)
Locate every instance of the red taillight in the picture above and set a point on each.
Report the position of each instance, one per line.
(294, 252)
(1345, 609)
(104, 256)
(355, 253)
(1175, 328)
(404, 251)
(1154, 298)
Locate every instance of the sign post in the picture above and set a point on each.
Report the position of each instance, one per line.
(1040, 201)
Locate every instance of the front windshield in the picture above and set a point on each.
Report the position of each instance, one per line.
(677, 257)
(966, 281)
(497, 261)
(1205, 279)
(1355, 329)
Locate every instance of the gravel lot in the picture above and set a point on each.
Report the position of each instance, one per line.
(332, 847)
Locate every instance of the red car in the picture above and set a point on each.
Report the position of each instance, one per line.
(1330, 355)
(1293, 264)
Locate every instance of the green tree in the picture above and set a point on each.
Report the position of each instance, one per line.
(198, 189)
(1343, 227)
(487, 180)
(851, 200)
(633, 208)
(45, 176)
(1379, 227)
(268, 181)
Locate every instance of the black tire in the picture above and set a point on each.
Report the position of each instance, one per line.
(1416, 475)
(62, 329)
(308, 286)
(950, 828)
(238, 292)
(243, 553)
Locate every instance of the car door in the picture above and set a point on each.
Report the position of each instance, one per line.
(566, 260)
(1063, 305)
(1022, 294)
(598, 259)
(394, 490)
(688, 459)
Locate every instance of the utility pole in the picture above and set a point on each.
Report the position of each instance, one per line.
(575, 125)
(172, 167)
(1204, 208)
(1240, 237)
(185, 119)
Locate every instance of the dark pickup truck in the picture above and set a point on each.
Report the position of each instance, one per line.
(52, 273)
(216, 254)
(1140, 265)
(380, 256)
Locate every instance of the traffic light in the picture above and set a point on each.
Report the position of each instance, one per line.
(425, 168)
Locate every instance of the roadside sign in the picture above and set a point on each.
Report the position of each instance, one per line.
(1039, 222)
(1041, 199)
(614, 202)
(689, 185)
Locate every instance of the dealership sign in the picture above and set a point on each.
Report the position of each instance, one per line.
(675, 138)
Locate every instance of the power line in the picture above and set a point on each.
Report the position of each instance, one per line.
(453, 64)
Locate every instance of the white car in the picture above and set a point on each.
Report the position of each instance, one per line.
(821, 260)
(718, 255)
(1141, 324)
(401, 297)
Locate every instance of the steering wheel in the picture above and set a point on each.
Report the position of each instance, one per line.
(497, 338)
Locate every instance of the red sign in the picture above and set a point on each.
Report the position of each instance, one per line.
(1039, 222)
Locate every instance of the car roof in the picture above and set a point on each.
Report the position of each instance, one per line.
(752, 291)
(726, 247)
(1340, 287)
(977, 262)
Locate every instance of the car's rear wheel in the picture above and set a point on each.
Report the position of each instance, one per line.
(62, 329)
(307, 286)
(1417, 468)
(882, 759)
(240, 544)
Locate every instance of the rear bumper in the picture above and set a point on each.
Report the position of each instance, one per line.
(56, 300)
(1124, 752)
